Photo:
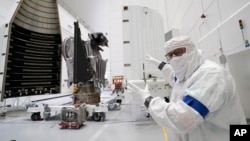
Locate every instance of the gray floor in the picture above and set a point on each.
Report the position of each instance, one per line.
(127, 124)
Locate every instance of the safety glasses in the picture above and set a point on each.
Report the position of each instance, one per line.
(176, 52)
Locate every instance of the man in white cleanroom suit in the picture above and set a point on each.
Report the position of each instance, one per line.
(204, 101)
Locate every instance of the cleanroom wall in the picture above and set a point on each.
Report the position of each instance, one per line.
(214, 27)
(240, 68)
(142, 34)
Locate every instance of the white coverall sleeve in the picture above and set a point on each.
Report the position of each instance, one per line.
(168, 74)
(208, 88)
(178, 116)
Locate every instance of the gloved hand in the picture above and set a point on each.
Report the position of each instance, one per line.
(136, 92)
(152, 60)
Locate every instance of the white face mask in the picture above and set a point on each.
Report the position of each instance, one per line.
(185, 65)
(179, 64)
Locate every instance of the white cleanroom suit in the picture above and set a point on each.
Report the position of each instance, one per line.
(204, 101)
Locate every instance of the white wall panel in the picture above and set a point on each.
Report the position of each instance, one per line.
(125, 28)
(157, 5)
(67, 24)
(94, 13)
(228, 7)
(115, 40)
(7, 10)
(211, 21)
(145, 31)
(238, 54)
(190, 18)
(7, 7)
(231, 35)
(211, 47)
(172, 8)
(206, 4)
(183, 8)
(239, 66)
(3, 45)
(195, 35)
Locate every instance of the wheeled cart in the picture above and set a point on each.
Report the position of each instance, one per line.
(73, 117)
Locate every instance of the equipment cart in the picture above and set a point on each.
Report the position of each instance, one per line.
(118, 82)
(73, 117)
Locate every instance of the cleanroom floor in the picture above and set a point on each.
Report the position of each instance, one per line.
(127, 124)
